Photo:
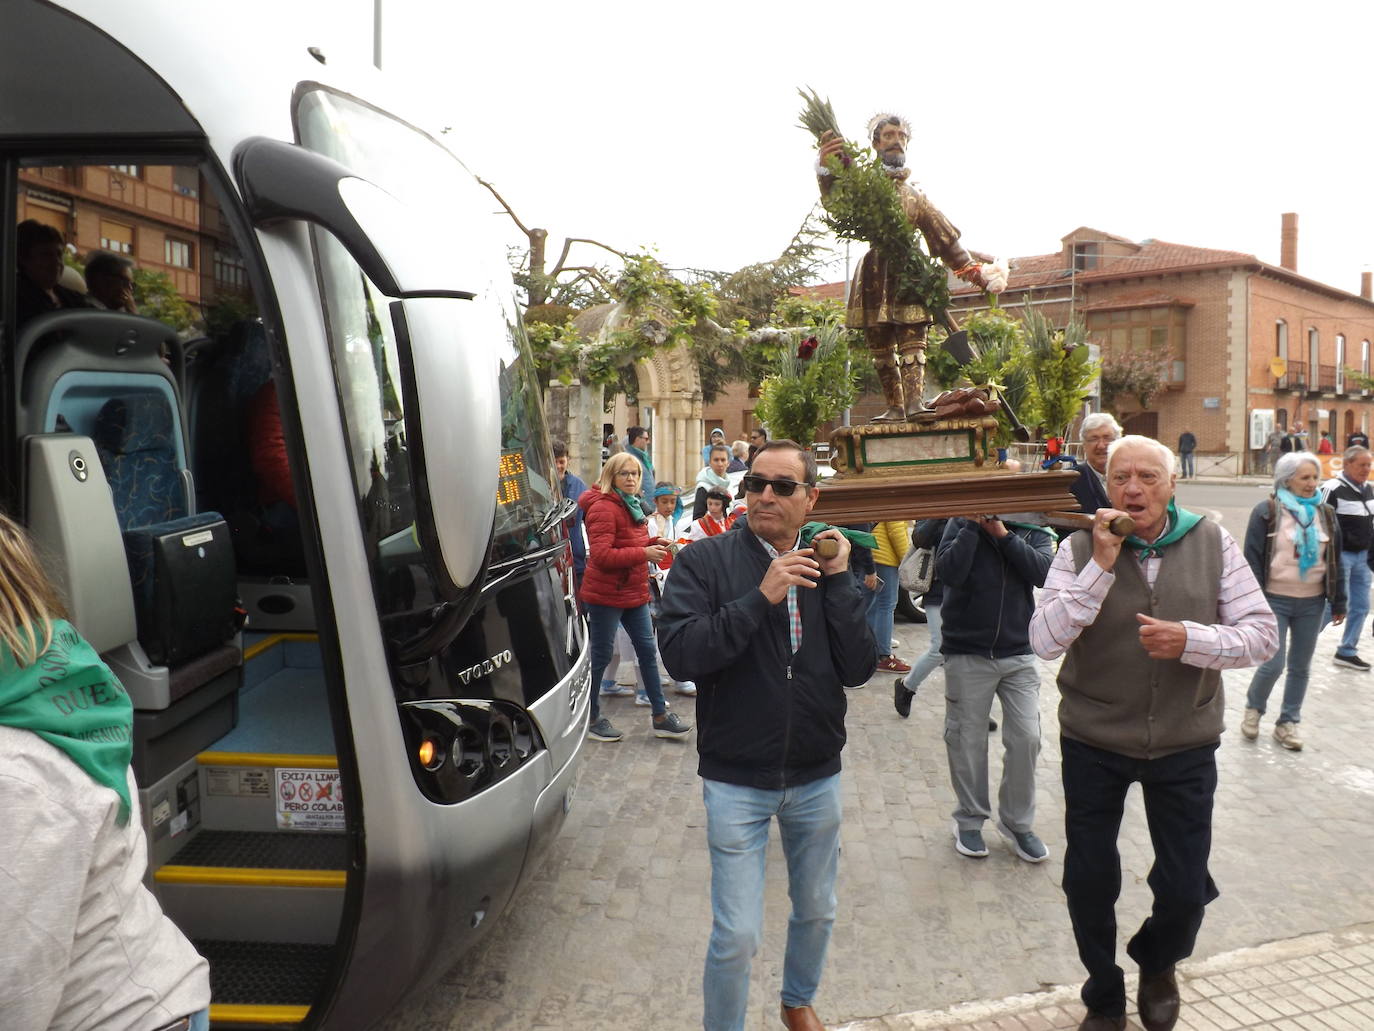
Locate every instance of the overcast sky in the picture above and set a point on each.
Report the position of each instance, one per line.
(673, 126)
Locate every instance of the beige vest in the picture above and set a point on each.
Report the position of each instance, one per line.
(1114, 696)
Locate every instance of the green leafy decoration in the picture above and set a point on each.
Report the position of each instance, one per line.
(802, 392)
(1061, 370)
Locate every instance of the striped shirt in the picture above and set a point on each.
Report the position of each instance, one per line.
(1246, 635)
(793, 609)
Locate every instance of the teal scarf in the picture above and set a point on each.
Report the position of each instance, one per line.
(643, 457)
(1180, 522)
(633, 504)
(1304, 512)
(70, 699)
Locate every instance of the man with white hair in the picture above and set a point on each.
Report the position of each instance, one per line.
(895, 330)
(1099, 431)
(1145, 625)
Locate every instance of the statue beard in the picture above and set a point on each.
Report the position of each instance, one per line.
(895, 165)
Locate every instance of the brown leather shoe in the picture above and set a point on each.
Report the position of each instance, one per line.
(1157, 1000)
(1101, 1022)
(801, 1018)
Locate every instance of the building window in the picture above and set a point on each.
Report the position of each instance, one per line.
(130, 170)
(1162, 329)
(116, 237)
(1086, 256)
(230, 269)
(1364, 365)
(1281, 339)
(186, 180)
(1340, 363)
(1316, 375)
(176, 253)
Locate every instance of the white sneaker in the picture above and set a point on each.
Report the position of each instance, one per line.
(686, 687)
(1286, 734)
(1249, 725)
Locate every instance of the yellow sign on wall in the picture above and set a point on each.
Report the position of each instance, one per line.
(1278, 366)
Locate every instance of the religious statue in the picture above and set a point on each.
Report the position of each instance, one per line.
(894, 327)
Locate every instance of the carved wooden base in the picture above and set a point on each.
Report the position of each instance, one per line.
(875, 499)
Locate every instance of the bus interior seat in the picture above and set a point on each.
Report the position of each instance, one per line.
(102, 374)
(222, 386)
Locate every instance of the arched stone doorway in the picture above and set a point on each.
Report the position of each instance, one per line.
(669, 402)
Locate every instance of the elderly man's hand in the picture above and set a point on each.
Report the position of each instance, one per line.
(1106, 545)
(1161, 638)
(794, 568)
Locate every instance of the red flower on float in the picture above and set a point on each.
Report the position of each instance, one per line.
(807, 348)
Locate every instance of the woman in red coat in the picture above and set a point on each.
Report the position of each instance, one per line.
(615, 588)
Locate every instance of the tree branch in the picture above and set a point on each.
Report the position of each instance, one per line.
(567, 246)
(502, 200)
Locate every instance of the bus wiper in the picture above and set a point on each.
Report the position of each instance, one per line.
(557, 514)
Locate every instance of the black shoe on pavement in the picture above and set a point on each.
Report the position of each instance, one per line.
(901, 697)
(1351, 662)
(992, 725)
(1157, 1000)
(1101, 1022)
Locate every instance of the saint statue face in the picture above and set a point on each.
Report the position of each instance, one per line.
(891, 145)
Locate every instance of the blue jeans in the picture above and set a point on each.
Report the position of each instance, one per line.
(881, 604)
(1355, 571)
(932, 659)
(200, 1021)
(1189, 469)
(737, 821)
(603, 620)
(1302, 618)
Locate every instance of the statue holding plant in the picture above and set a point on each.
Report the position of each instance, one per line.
(899, 290)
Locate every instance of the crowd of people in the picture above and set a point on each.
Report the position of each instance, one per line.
(768, 635)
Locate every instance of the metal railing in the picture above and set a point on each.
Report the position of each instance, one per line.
(1294, 379)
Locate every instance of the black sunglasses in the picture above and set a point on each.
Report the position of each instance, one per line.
(782, 488)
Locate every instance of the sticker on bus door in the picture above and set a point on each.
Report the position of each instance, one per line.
(309, 800)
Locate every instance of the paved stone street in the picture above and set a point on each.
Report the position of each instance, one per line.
(612, 931)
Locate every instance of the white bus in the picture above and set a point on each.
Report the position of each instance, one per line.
(343, 446)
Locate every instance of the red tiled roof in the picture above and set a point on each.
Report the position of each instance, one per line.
(1139, 299)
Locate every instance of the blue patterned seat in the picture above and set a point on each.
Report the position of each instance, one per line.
(180, 565)
(138, 450)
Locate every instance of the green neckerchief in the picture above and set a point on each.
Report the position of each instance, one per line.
(632, 503)
(862, 538)
(1180, 522)
(70, 699)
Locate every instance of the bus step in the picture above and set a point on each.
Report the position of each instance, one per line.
(257, 886)
(263, 984)
(300, 850)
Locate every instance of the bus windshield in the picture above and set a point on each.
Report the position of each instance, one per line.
(426, 179)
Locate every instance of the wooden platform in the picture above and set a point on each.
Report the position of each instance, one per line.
(865, 499)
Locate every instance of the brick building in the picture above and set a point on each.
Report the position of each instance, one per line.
(160, 216)
(1251, 346)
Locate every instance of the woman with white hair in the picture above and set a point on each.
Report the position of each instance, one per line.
(1293, 545)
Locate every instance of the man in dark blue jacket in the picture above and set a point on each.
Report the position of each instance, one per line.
(990, 571)
(771, 635)
(571, 486)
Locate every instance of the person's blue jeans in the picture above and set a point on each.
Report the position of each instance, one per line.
(932, 659)
(603, 619)
(737, 819)
(881, 605)
(1302, 619)
(1355, 571)
(1189, 469)
(200, 1021)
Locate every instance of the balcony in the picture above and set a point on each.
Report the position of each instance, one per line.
(1326, 379)
(1294, 379)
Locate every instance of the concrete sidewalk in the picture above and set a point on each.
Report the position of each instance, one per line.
(1316, 982)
